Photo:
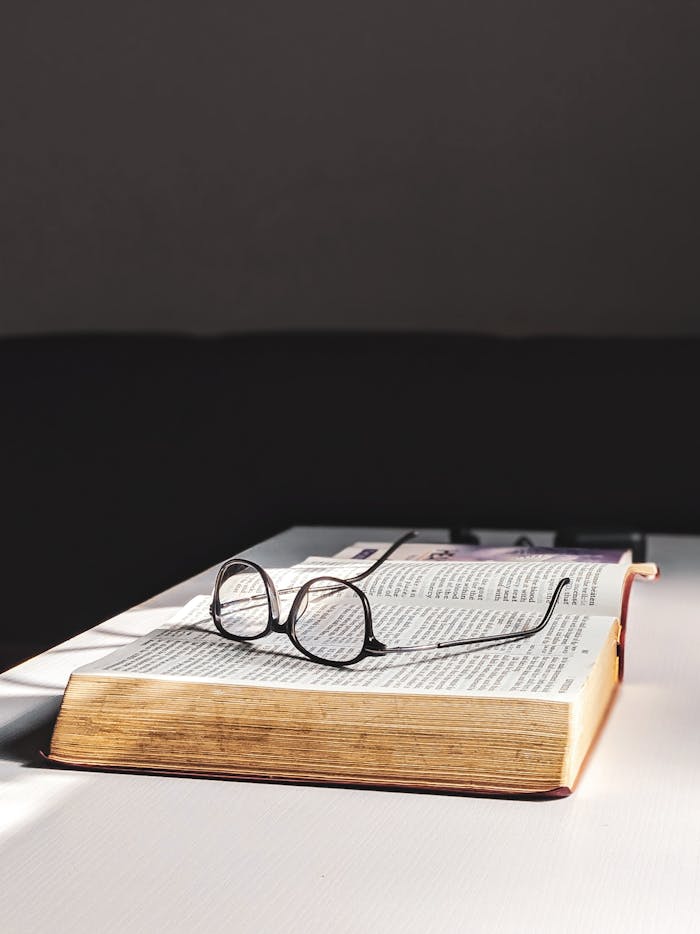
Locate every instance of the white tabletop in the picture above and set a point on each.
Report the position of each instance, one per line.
(88, 852)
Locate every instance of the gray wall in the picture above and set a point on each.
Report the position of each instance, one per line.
(224, 166)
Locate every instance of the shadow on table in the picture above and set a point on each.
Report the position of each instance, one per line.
(26, 728)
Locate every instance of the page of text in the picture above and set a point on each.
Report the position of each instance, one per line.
(553, 664)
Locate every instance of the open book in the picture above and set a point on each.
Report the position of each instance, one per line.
(504, 718)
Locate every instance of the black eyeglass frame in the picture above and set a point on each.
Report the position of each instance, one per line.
(371, 645)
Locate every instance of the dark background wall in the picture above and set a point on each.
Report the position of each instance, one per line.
(493, 166)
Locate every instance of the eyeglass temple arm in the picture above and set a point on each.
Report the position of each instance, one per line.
(503, 637)
(382, 558)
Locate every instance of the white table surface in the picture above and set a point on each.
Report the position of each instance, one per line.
(93, 852)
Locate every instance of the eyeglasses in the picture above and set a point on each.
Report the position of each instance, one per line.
(330, 620)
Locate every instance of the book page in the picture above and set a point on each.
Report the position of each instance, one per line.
(554, 664)
(594, 588)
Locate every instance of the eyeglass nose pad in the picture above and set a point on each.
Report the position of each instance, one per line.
(303, 605)
(274, 606)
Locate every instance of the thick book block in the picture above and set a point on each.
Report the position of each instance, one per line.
(516, 718)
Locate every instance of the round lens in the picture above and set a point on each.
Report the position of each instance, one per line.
(330, 622)
(244, 602)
